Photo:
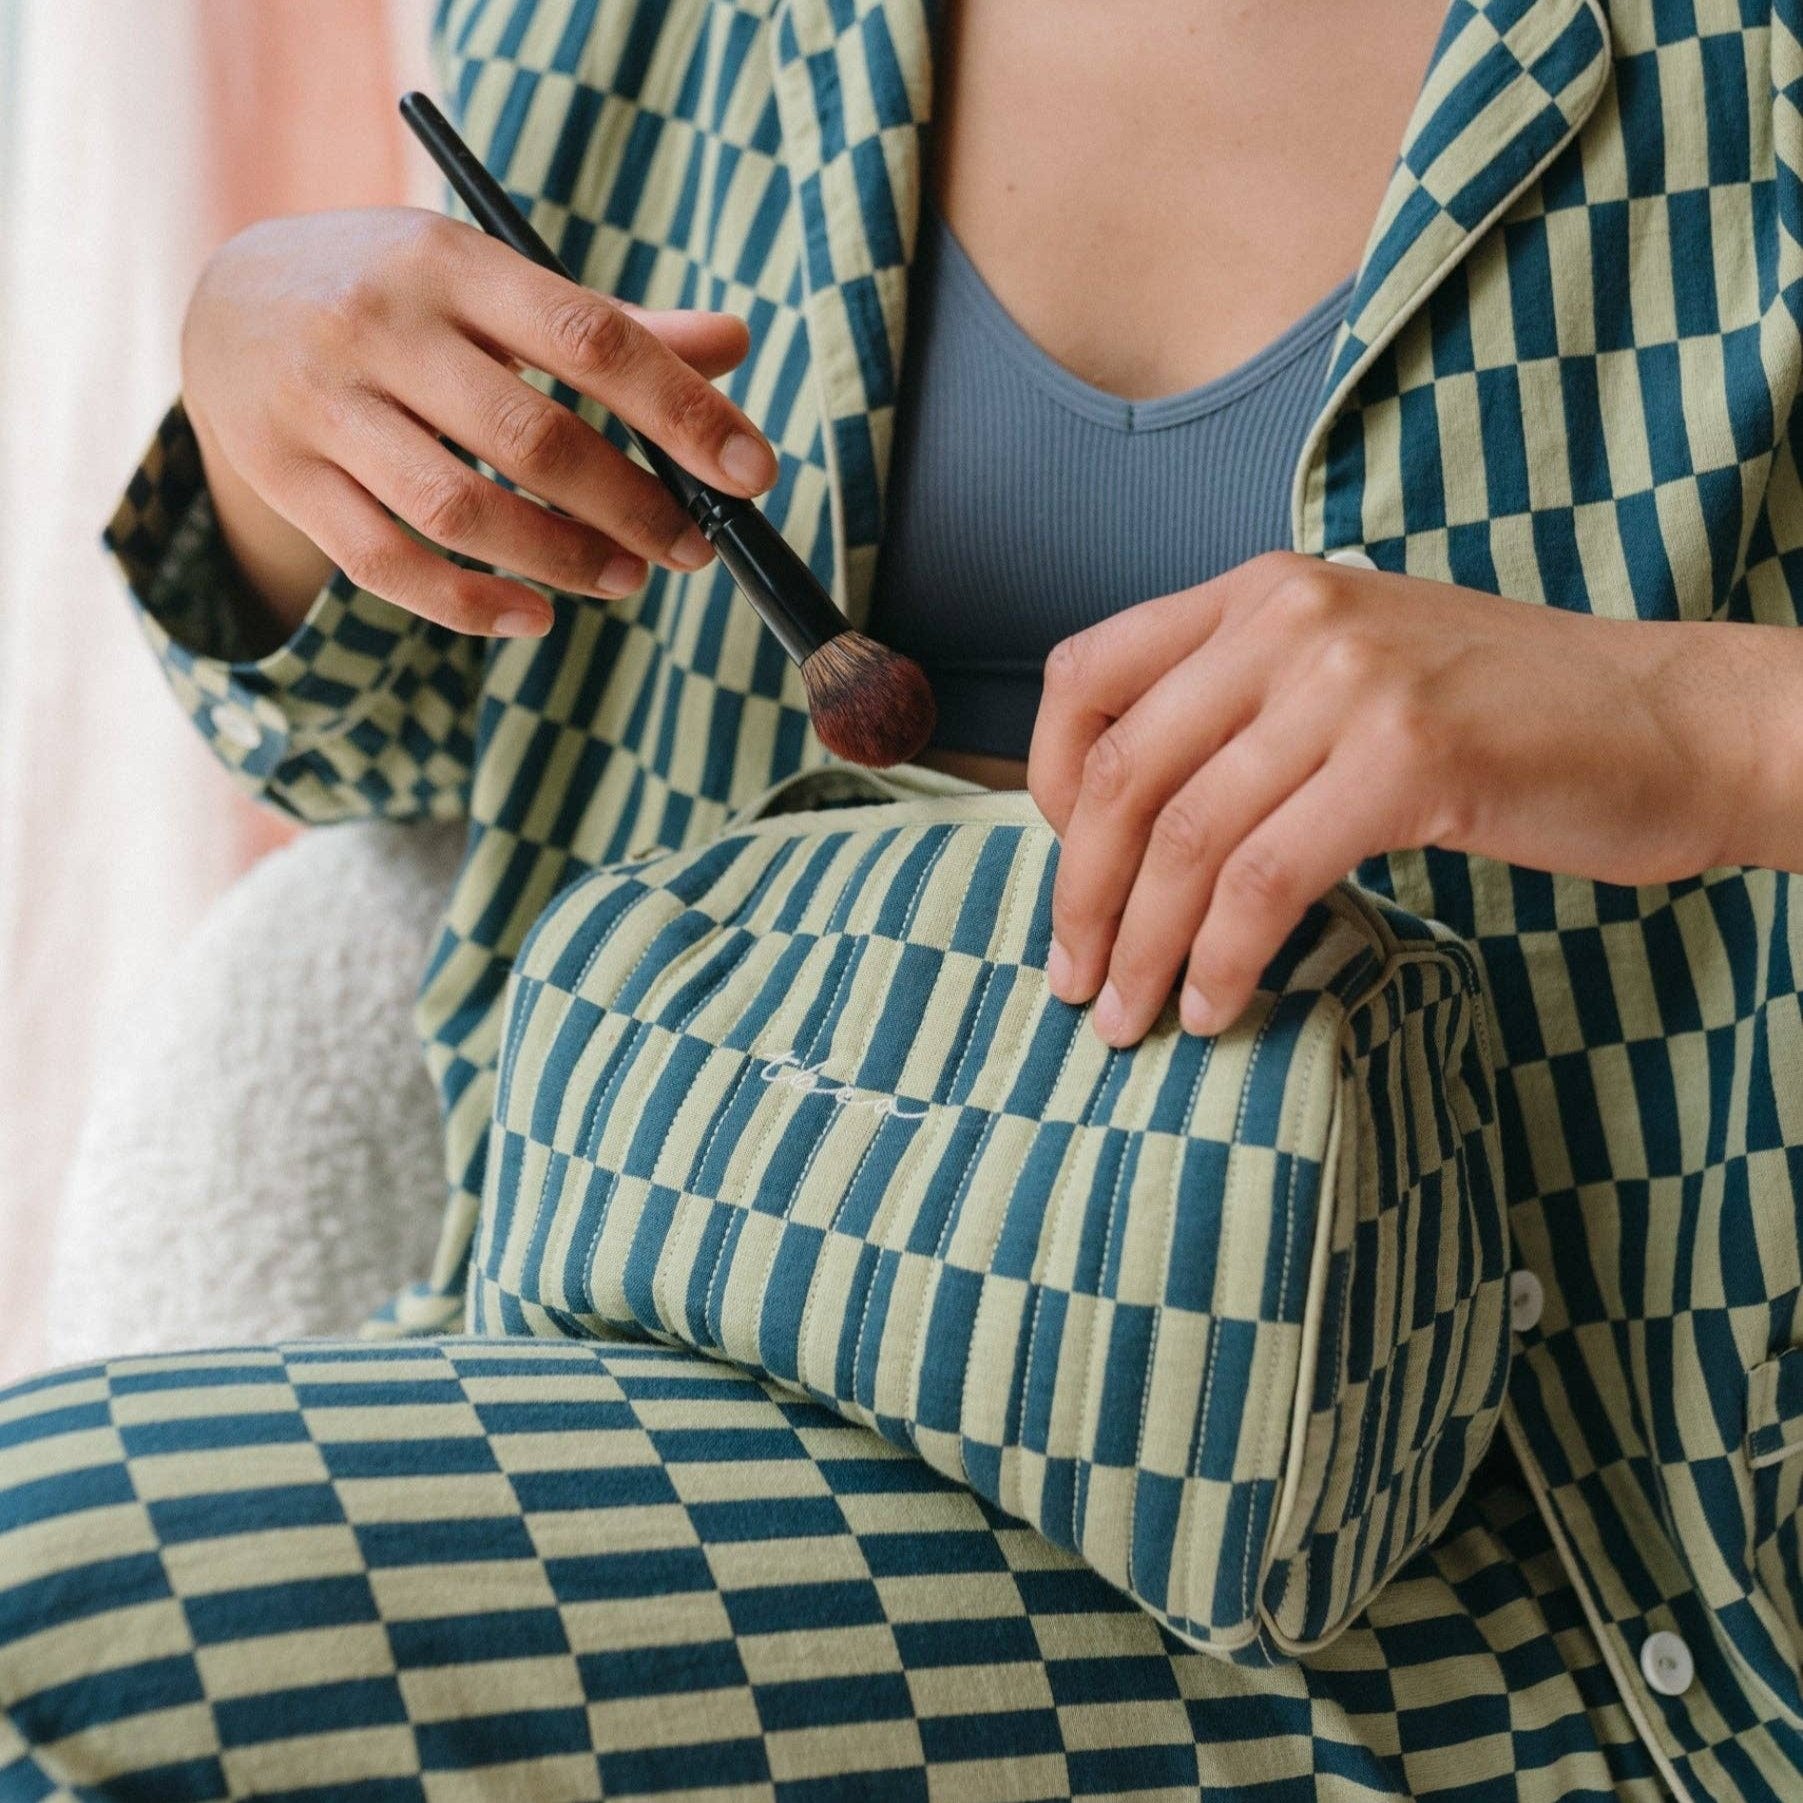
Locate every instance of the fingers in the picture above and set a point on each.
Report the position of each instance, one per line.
(555, 454)
(607, 352)
(713, 343)
(351, 340)
(1094, 677)
(1126, 806)
(1196, 830)
(1292, 858)
(404, 467)
(347, 523)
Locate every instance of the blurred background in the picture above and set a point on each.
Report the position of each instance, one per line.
(133, 138)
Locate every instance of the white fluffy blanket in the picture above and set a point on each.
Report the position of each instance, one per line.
(262, 1154)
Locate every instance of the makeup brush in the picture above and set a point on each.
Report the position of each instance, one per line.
(870, 705)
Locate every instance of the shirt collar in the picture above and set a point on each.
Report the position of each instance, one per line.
(1509, 83)
(853, 92)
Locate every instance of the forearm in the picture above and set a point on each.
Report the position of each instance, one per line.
(281, 569)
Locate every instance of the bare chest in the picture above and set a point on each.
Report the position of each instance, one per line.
(1155, 189)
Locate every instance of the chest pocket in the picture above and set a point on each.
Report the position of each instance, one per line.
(1775, 1409)
(1774, 1459)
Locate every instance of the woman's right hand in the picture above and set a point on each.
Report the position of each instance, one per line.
(324, 357)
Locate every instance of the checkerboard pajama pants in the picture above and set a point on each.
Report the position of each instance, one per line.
(472, 1569)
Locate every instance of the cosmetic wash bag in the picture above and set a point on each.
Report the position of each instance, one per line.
(1227, 1317)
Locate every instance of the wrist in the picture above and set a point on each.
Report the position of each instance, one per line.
(1740, 688)
(280, 570)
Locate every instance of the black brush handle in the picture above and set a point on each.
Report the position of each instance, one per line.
(785, 592)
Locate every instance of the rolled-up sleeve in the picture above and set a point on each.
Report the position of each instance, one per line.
(365, 710)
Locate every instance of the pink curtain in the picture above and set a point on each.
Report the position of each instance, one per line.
(133, 140)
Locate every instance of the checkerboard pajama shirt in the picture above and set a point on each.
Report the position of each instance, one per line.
(446, 1566)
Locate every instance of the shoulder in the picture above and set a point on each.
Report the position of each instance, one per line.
(526, 61)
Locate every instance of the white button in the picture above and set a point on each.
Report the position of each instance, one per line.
(1666, 1664)
(237, 725)
(1353, 560)
(1526, 1300)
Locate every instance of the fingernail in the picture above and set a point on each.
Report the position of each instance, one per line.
(621, 574)
(1058, 971)
(1111, 1014)
(520, 623)
(690, 550)
(749, 462)
(1193, 1009)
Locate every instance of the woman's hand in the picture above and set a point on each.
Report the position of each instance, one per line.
(1215, 760)
(324, 357)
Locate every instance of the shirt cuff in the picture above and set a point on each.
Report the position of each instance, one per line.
(256, 709)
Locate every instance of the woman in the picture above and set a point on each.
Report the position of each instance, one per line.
(1562, 373)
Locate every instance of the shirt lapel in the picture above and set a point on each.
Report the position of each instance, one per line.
(1509, 84)
(853, 91)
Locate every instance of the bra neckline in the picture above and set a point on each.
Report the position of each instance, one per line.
(1098, 404)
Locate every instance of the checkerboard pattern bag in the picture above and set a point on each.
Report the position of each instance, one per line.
(1228, 1317)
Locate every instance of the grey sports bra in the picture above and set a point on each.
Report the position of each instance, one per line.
(1024, 504)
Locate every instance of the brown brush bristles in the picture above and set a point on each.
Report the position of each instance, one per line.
(871, 705)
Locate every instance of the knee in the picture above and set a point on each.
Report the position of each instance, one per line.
(87, 1616)
(61, 1463)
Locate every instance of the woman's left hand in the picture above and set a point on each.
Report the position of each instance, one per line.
(1215, 760)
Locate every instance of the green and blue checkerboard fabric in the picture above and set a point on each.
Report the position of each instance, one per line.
(1568, 376)
(549, 1572)
(1228, 1316)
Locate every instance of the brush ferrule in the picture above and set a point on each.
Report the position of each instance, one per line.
(786, 593)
